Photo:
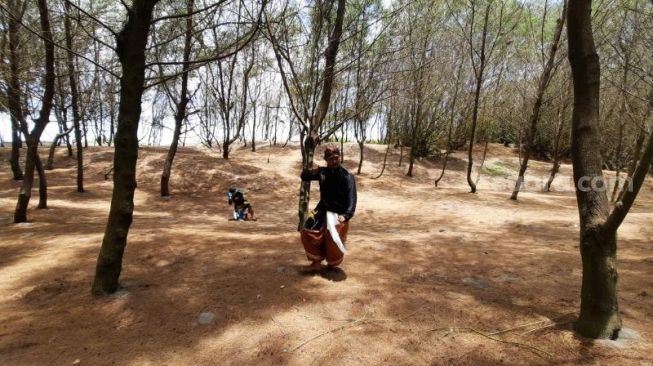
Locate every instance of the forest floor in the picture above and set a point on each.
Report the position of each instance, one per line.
(434, 276)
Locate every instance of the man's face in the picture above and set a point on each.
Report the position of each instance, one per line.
(333, 160)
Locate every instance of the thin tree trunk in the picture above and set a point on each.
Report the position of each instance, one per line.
(131, 42)
(254, 127)
(15, 150)
(241, 119)
(637, 151)
(477, 96)
(535, 115)
(413, 143)
(519, 143)
(361, 146)
(181, 106)
(43, 184)
(618, 162)
(417, 125)
(342, 142)
(480, 167)
(274, 138)
(290, 124)
(622, 111)
(75, 102)
(472, 137)
(61, 112)
(50, 164)
(85, 132)
(385, 160)
(112, 112)
(562, 116)
(387, 150)
(13, 90)
(97, 88)
(452, 118)
(32, 139)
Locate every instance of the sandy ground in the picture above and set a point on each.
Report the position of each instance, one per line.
(434, 276)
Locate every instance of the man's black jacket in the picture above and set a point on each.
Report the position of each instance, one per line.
(337, 190)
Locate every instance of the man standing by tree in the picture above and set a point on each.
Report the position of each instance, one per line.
(325, 231)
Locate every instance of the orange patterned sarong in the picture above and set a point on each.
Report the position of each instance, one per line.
(319, 245)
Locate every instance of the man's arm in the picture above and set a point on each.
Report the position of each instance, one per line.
(311, 174)
(351, 197)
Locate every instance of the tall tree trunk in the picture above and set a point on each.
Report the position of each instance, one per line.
(181, 106)
(13, 89)
(241, 118)
(61, 111)
(112, 112)
(309, 143)
(131, 43)
(72, 79)
(417, 109)
(309, 135)
(472, 136)
(32, 139)
(342, 141)
(477, 96)
(254, 127)
(415, 131)
(599, 311)
(562, 117)
(535, 114)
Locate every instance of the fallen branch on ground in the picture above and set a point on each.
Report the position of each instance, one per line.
(538, 352)
(530, 324)
(356, 322)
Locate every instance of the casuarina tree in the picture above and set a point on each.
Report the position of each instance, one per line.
(131, 42)
(599, 312)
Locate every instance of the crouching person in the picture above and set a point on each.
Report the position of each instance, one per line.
(325, 231)
(242, 208)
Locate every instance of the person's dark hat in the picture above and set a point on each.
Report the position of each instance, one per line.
(330, 151)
